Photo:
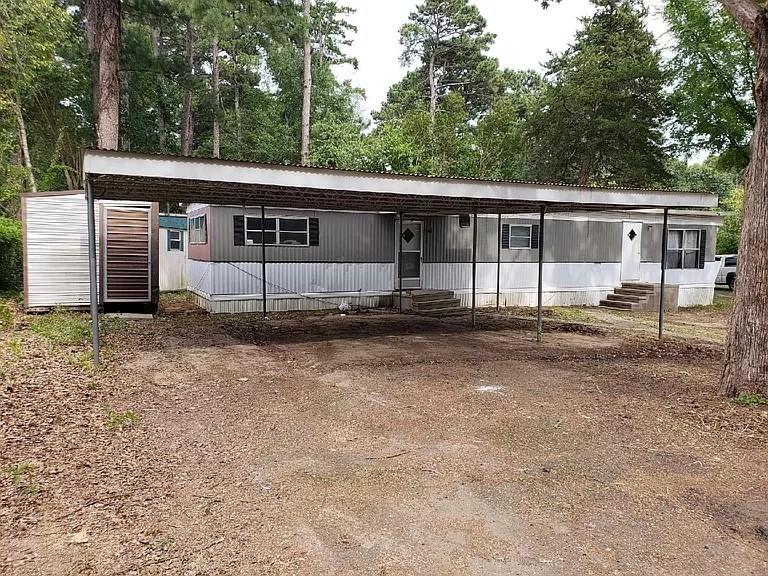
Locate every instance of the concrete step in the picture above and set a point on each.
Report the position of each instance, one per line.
(429, 295)
(638, 286)
(616, 304)
(421, 305)
(633, 292)
(626, 298)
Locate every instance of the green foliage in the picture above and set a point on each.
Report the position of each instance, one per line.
(116, 421)
(62, 328)
(11, 259)
(750, 400)
(730, 232)
(712, 71)
(6, 317)
(22, 476)
(601, 119)
(705, 177)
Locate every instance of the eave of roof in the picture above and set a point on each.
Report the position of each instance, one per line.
(131, 176)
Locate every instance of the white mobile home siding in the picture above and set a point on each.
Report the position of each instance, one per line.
(356, 262)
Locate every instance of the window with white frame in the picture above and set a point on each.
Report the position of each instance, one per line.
(175, 240)
(198, 230)
(519, 236)
(277, 231)
(683, 249)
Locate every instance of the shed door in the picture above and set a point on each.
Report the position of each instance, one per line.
(631, 251)
(127, 261)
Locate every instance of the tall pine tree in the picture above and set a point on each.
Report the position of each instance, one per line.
(601, 119)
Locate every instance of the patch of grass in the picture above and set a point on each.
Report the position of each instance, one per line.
(15, 346)
(22, 476)
(13, 296)
(116, 421)
(176, 296)
(111, 324)
(65, 328)
(6, 317)
(82, 360)
(62, 328)
(751, 399)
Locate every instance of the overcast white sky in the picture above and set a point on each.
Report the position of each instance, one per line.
(524, 34)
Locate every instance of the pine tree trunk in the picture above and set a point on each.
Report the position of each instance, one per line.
(238, 122)
(215, 90)
(24, 143)
(432, 89)
(103, 24)
(585, 171)
(307, 96)
(746, 354)
(157, 50)
(187, 125)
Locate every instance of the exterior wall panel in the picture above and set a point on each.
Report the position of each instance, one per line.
(651, 240)
(344, 237)
(56, 245)
(565, 241)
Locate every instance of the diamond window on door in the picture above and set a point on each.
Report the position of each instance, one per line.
(632, 234)
(408, 235)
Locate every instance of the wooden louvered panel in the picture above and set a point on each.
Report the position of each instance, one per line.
(127, 254)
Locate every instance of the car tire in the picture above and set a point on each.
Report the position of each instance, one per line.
(731, 281)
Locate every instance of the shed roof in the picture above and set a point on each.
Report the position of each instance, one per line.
(131, 176)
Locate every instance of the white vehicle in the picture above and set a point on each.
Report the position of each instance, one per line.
(727, 273)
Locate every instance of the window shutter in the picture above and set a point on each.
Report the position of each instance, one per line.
(181, 240)
(239, 228)
(505, 236)
(314, 232)
(535, 236)
(167, 239)
(702, 248)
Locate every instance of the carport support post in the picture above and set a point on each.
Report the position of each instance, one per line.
(263, 264)
(664, 234)
(400, 264)
(474, 268)
(92, 270)
(540, 302)
(498, 264)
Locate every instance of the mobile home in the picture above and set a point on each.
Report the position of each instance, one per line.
(320, 259)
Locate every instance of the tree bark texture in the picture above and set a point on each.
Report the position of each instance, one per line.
(187, 123)
(432, 88)
(215, 93)
(746, 354)
(24, 142)
(103, 26)
(307, 96)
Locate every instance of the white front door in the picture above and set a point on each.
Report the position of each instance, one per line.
(411, 265)
(631, 251)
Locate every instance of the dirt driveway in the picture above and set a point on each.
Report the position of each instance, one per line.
(382, 445)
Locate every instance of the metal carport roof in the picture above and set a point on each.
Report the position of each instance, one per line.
(116, 175)
(159, 178)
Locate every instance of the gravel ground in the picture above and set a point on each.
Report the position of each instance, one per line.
(375, 444)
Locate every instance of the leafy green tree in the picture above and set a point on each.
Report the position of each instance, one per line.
(707, 176)
(601, 119)
(30, 30)
(448, 40)
(501, 134)
(729, 233)
(713, 77)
